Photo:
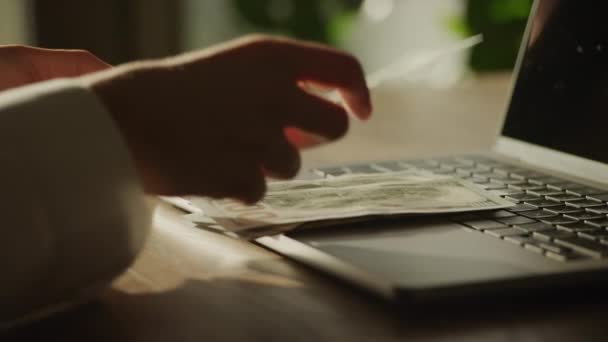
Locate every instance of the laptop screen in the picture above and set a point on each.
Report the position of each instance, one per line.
(560, 99)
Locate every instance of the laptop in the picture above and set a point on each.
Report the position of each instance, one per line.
(551, 160)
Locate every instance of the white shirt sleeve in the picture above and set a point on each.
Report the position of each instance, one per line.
(72, 211)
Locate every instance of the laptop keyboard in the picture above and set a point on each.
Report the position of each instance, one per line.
(559, 219)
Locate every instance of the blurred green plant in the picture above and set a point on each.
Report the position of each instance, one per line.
(322, 21)
(502, 23)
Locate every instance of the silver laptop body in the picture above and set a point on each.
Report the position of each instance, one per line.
(559, 75)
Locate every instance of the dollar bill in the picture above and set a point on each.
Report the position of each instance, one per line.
(292, 203)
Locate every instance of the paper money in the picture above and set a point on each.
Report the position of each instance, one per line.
(350, 196)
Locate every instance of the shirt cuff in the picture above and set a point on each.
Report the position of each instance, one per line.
(73, 210)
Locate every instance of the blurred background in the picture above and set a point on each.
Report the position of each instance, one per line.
(379, 32)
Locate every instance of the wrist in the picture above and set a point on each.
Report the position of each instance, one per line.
(122, 92)
(127, 92)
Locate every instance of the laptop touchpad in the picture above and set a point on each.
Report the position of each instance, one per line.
(420, 253)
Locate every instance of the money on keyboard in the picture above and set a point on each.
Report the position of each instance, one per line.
(554, 217)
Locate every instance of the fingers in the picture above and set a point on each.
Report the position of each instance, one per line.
(248, 185)
(235, 172)
(316, 115)
(63, 63)
(301, 139)
(333, 69)
(281, 160)
(244, 181)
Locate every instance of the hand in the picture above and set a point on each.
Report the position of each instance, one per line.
(214, 122)
(21, 65)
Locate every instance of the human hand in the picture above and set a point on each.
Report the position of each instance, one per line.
(21, 65)
(214, 122)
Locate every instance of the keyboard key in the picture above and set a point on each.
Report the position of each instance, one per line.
(454, 169)
(480, 180)
(444, 172)
(488, 163)
(526, 187)
(596, 234)
(563, 257)
(463, 173)
(600, 223)
(485, 224)
(584, 215)
(547, 180)
(392, 166)
(331, 171)
(564, 197)
(558, 220)
(500, 233)
(555, 248)
(505, 170)
(599, 197)
(550, 235)
(520, 239)
(585, 203)
(576, 227)
(526, 174)
(533, 247)
(563, 209)
(505, 192)
(482, 168)
(586, 191)
(515, 220)
(521, 208)
(363, 168)
(500, 177)
(545, 192)
(518, 198)
(538, 214)
(507, 181)
(475, 169)
(535, 227)
(544, 203)
(494, 186)
(496, 214)
(452, 164)
(484, 175)
(598, 210)
(482, 184)
(468, 168)
(429, 168)
(565, 185)
(584, 246)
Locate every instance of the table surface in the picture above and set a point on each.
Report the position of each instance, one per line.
(193, 285)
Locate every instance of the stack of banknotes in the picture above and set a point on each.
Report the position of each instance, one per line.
(307, 204)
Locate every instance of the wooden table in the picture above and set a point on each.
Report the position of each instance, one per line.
(193, 285)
